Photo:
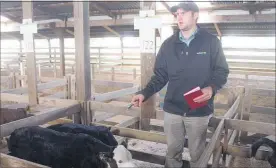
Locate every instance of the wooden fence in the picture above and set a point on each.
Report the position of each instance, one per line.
(126, 59)
(221, 144)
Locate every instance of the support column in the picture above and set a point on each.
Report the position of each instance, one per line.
(83, 69)
(50, 50)
(148, 55)
(27, 29)
(60, 33)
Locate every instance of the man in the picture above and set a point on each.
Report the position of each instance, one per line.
(191, 57)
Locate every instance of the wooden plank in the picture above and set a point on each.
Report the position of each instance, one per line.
(42, 100)
(247, 100)
(59, 95)
(251, 126)
(154, 158)
(11, 114)
(264, 92)
(214, 143)
(220, 106)
(27, 9)
(61, 48)
(148, 56)
(82, 52)
(112, 83)
(115, 94)
(40, 87)
(82, 31)
(42, 118)
(106, 107)
(216, 158)
(137, 134)
(234, 108)
(57, 102)
(14, 98)
(245, 152)
(128, 122)
(7, 161)
(263, 110)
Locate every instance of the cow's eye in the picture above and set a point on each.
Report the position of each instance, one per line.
(120, 161)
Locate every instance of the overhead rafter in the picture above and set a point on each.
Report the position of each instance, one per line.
(51, 12)
(217, 29)
(165, 4)
(102, 10)
(11, 17)
(112, 31)
(18, 20)
(70, 32)
(40, 35)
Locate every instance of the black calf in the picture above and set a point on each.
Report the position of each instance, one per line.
(268, 142)
(99, 132)
(58, 149)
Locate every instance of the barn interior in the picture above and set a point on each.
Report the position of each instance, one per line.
(82, 61)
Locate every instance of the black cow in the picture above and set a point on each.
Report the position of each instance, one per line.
(265, 141)
(58, 149)
(99, 132)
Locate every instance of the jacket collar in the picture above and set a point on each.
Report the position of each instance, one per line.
(176, 34)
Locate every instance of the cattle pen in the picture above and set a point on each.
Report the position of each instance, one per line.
(94, 84)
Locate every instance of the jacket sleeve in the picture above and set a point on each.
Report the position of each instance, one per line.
(159, 78)
(220, 69)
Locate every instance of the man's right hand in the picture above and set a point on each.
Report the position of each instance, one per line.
(137, 100)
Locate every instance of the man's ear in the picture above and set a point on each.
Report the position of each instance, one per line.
(196, 15)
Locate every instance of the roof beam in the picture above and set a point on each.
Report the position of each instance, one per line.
(42, 36)
(260, 18)
(51, 12)
(164, 3)
(102, 10)
(70, 32)
(18, 20)
(12, 18)
(112, 31)
(217, 29)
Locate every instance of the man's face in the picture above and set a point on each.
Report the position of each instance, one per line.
(185, 19)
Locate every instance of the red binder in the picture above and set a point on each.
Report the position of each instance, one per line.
(191, 95)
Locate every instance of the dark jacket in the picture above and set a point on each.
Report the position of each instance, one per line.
(183, 67)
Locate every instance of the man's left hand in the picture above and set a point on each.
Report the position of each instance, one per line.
(207, 94)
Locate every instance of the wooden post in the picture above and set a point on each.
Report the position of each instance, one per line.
(148, 52)
(22, 73)
(112, 74)
(134, 73)
(55, 63)
(50, 49)
(27, 29)
(39, 70)
(122, 52)
(246, 108)
(68, 87)
(92, 72)
(60, 33)
(99, 60)
(82, 43)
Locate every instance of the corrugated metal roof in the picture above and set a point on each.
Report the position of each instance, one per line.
(48, 10)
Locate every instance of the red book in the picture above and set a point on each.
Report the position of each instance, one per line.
(191, 95)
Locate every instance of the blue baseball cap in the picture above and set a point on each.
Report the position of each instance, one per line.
(187, 6)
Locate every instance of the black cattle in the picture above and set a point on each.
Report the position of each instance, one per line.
(265, 141)
(99, 132)
(58, 149)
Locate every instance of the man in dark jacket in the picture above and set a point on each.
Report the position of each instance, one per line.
(189, 58)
